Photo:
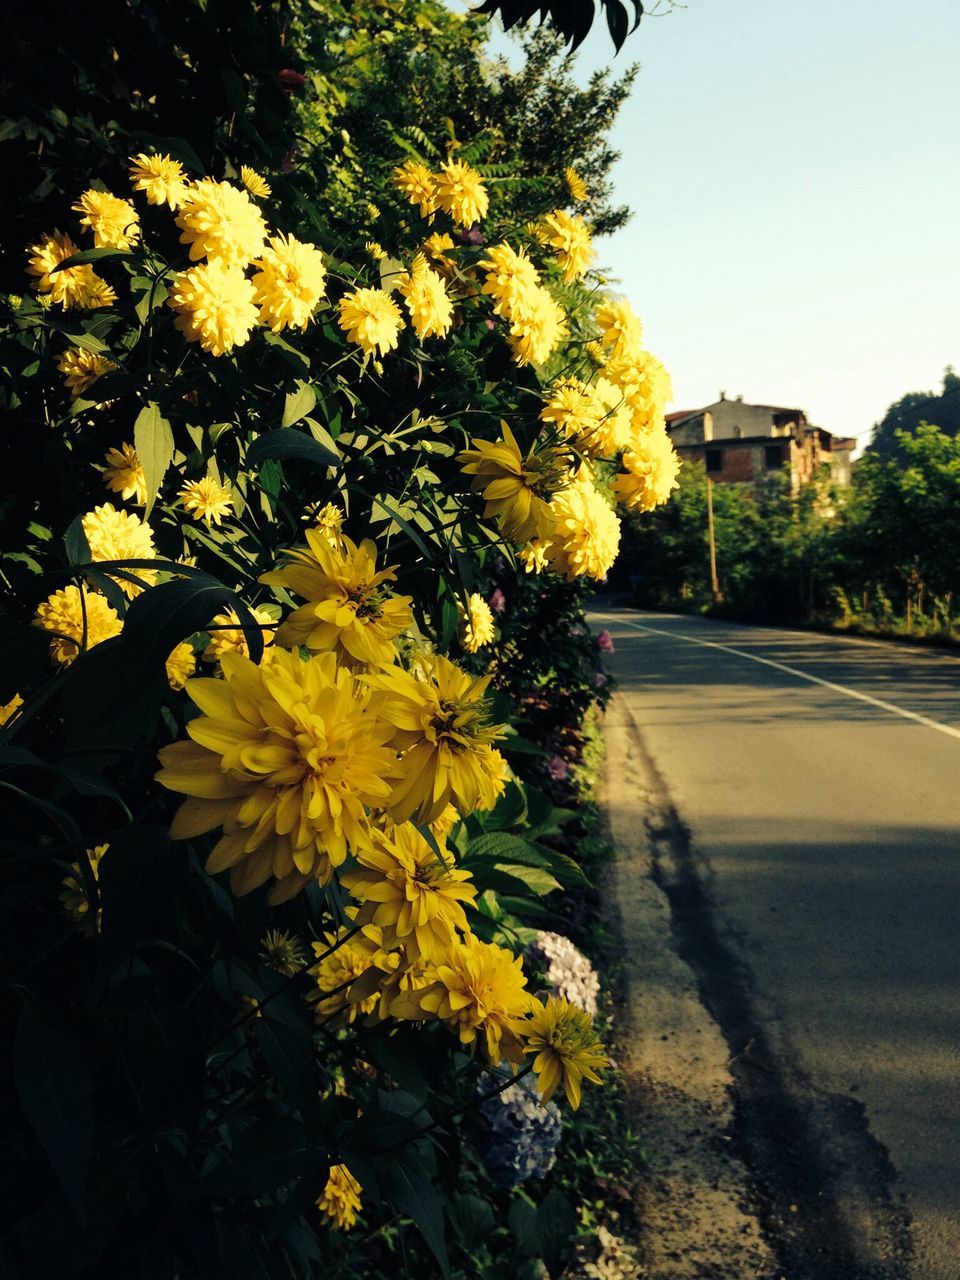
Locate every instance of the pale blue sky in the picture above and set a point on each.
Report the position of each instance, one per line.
(794, 171)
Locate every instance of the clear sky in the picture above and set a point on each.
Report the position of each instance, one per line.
(794, 171)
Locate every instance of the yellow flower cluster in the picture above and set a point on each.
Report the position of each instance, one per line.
(570, 236)
(476, 623)
(455, 188)
(536, 319)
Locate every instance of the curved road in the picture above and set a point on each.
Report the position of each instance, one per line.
(817, 779)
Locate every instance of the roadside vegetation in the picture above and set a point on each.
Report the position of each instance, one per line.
(881, 557)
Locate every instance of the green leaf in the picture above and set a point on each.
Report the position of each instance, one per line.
(536, 879)
(555, 1230)
(90, 255)
(53, 1081)
(75, 541)
(322, 436)
(288, 1052)
(160, 618)
(298, 404)
(153, 441)
(284, 443)
(266, 1156)
(407, 1186)
(472, 1219)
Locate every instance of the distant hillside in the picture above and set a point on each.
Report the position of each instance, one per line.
(942, 409)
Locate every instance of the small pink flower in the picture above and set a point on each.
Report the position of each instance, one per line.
(291, 79)
(497, 600)
(604, 642)
(599, 680)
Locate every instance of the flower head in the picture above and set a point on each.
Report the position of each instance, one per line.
(118, 535)
(461, 193)
(215, 306)
(576, 186)
(114, 222)
(580, 412)
(535, 556)
(650, 472)
(371, 319)
(620, 328)
(511, 280)
(476, 623)
(124, 474)
(417, 183)
(436, 247)
(283, 952)
(328, 520)
(206, 499)
(480, 993)
(340, 1201)
(349, 610)
(76, 620)
(285, 759)
(257, 186)
(160, 178)
(538, 329)
(180, 666)
(289, 283)
(73, 286)
(587, 532)
(227, 634)
(517, 488)
(220, 221)
(443, 728)
(349, 974)
(75, 900)
(81, 369)
(570, 236)
(412, 893)
(430, 308)
(567, 1049)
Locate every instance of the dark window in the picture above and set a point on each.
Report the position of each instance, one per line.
(773, 456)
(714, 459)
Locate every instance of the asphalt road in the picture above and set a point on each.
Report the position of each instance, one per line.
(819, 780)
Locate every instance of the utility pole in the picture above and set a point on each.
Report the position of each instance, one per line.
(714, 580)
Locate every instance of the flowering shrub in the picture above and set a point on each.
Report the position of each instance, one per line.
(288, 506)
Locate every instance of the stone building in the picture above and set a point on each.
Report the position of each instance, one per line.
(745, 443)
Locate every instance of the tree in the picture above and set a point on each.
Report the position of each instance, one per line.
(907, 413)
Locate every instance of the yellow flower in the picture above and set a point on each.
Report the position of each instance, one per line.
(371, 319)
(476, 623)
(567, 1048)
(620, 328)
(114, 222)
(570, 236)
(118, 535)
(220, 221)
(160, 178)
(410, 894)
(435, 246)
(443, 728)
(417, 183)
(511, 280)
(576, 186)
(68, 288)
(538, 329)
(641, 379)
(289, 283)
(376, 251)
(282, 952)
(480, 993)
(94, 293)
(650, 472)
(431, 311)
(535, 556)
(227, 635)
(63, 613)
(206, 499)
(441, 827)
(215, 306)
(340, 1202)
(181, 665)
(124, 474)
(9, 709)
(74, 896)
(348, 610)
(587, 533)
(328, 520)
(461, 193)
(516, 488)
(284, 758)
(255, 184)
(346, 966)
(81, 368)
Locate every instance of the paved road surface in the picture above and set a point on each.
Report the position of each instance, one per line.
(824, 823)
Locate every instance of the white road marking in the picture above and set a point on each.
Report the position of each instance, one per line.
(790, 671)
